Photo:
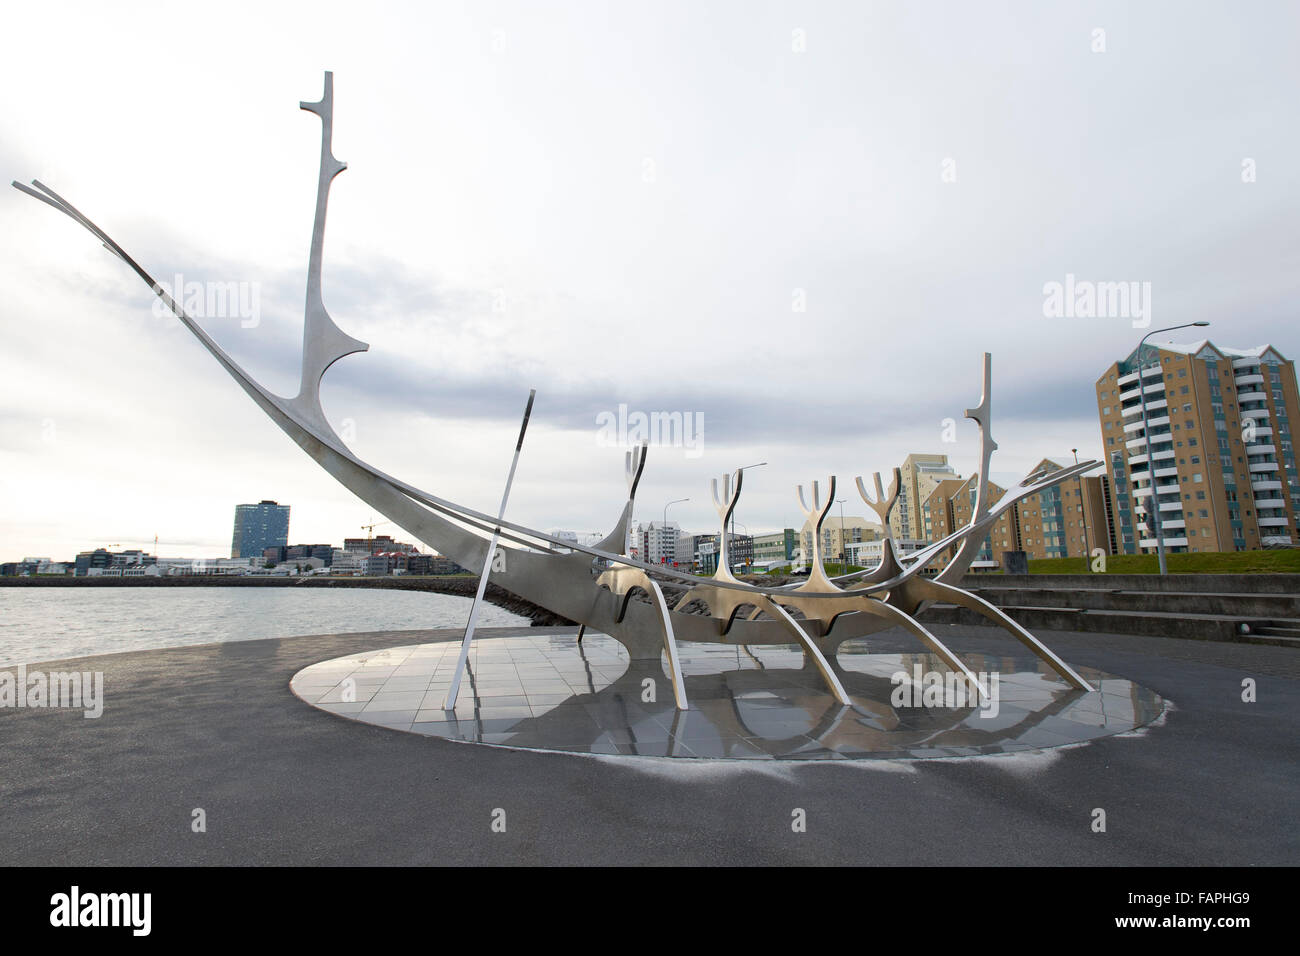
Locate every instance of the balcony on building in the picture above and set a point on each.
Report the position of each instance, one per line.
(1133, 395)
(1169, 543)
(1134, 411)
(1148, 372)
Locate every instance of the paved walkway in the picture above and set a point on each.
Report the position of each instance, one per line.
(215, 727)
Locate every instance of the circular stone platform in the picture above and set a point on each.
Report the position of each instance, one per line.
(550, 692)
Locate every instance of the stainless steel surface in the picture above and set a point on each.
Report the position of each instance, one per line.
(488, 559)
(548, 692)
(592, 585)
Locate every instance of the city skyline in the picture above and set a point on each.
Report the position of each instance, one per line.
(820, 180)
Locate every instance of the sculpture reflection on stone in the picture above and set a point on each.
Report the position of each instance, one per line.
(597, 585)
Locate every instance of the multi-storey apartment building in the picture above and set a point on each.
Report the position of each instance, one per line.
(1066, 520)
(662, 543)
(950, 506)
(920, 475)
(658, 543)
(1221, 456)
(838, 535)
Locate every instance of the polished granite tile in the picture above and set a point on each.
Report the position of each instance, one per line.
(549, 692)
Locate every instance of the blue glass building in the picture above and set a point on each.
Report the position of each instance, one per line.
(258, 527)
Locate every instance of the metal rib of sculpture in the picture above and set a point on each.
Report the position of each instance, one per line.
(594, 584)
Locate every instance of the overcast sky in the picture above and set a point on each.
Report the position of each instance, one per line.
(613, 203)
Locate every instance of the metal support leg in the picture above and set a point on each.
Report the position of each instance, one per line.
(670, 646)
(823, 666)
(454, 690)
(946, 592)
(936, 646)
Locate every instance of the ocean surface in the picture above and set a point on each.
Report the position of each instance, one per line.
(44, 624)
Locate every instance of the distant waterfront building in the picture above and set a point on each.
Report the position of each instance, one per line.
(440, 564)
(168, 567)
(868, 554)
(778, 546)
(920, 475)
(101, 559)
(836, 540)
(1223, 458)
(376, 544)
(300, 553)
(345, 561)
(657, 543)
(258, 527)
(32, 566)
(740, 549)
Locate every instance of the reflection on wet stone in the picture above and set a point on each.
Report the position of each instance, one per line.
(550, 692)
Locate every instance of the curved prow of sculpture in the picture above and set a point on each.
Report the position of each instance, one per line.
(323, 342)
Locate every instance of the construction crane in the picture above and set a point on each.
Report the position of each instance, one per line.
(369, 529)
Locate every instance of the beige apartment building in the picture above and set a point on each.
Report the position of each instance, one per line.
(1221, 456)
(836, 538)
(921, 474)
(949, 507)
(1068, 520)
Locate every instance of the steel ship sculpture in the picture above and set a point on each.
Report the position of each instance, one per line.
(600, 586)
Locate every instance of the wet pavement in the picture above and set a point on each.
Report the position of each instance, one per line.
(216, 728)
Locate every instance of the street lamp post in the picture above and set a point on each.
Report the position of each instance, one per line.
(1146, 431)
(664, 526)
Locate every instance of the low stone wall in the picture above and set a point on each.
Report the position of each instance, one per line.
(1215, 583)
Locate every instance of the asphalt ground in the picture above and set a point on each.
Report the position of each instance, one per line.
(215, 728)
